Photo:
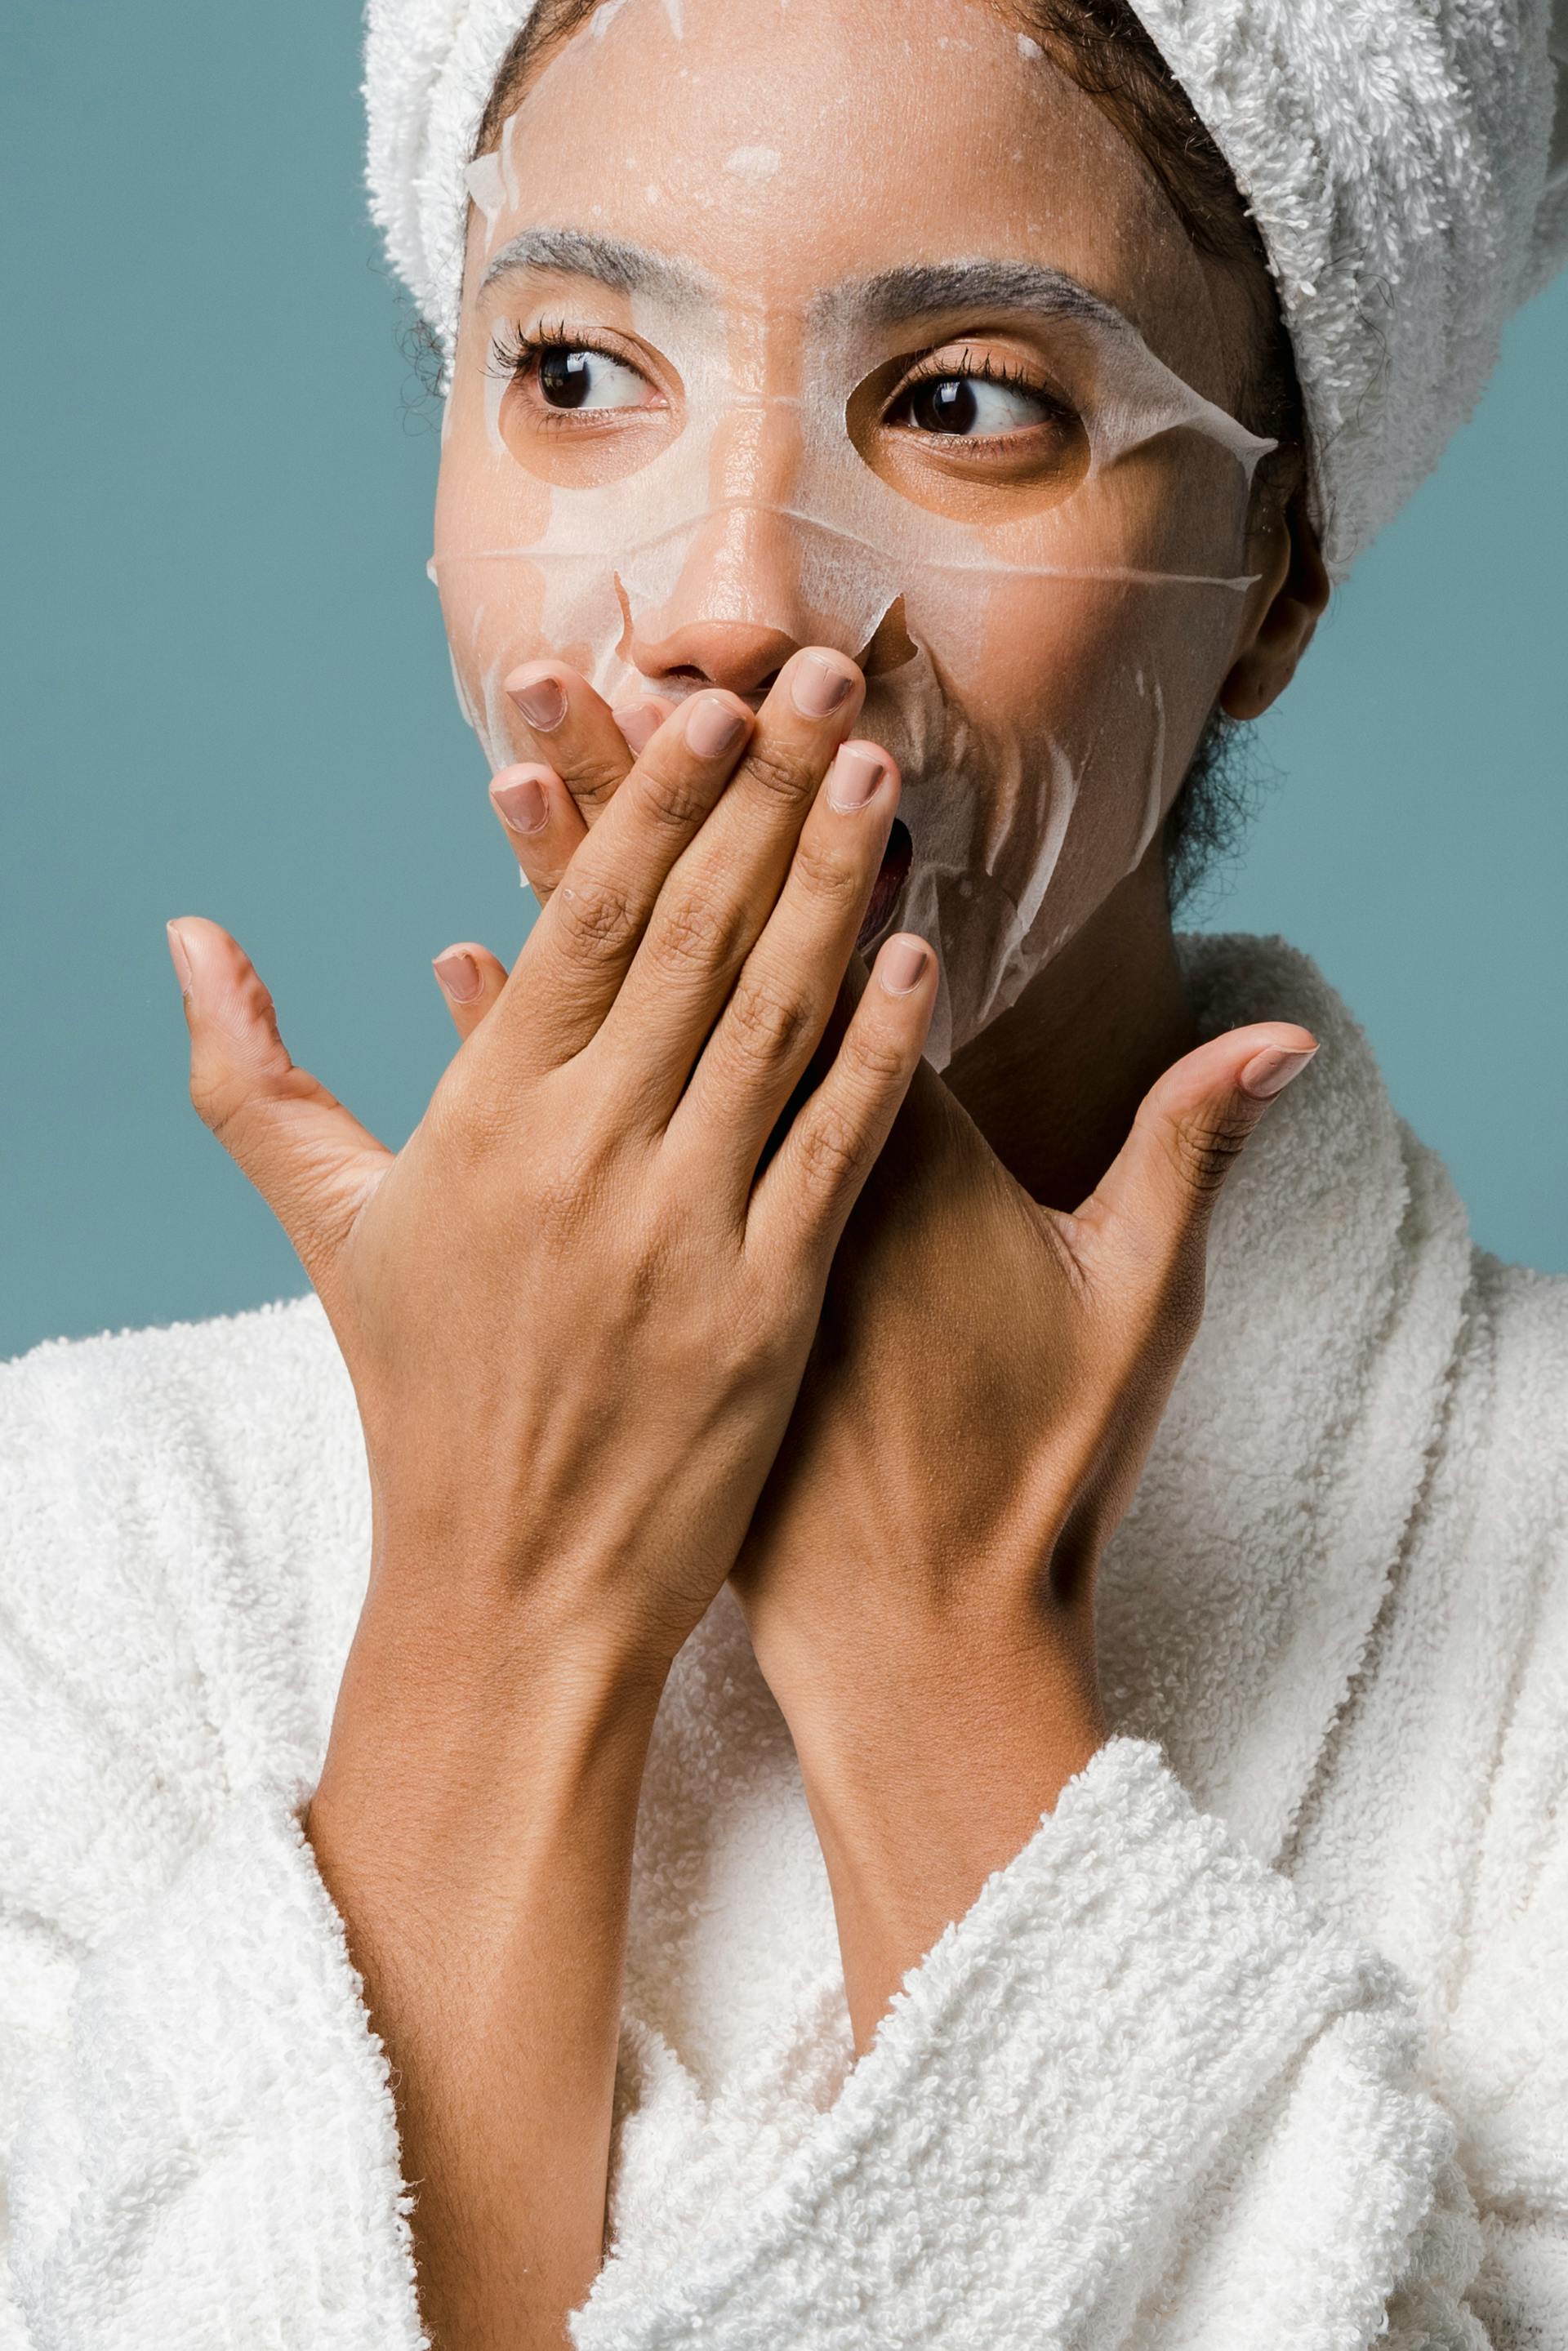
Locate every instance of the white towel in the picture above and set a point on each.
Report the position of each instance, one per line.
(1399, 156)
(1259, 2041)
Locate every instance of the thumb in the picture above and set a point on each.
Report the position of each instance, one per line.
(309, 1158)
(1155, 1199)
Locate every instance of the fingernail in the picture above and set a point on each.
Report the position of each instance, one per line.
(182, 961)
(458, 974)
(541, 702)
(855, 777)
(713, 726)
(901, 965)
(817, 685)
(1270, 1072)
(521, 801)
(639, 722)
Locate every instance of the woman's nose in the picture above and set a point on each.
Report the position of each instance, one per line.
(744, 585)
(734, 611)
(744, 655)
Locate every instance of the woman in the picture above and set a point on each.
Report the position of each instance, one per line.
(755, 1861)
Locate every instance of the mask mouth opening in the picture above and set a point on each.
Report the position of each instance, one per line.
(892, 876)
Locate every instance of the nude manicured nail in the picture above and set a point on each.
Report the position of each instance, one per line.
(818, 687)
(855, 777)
(521, 801)
(901, 965)
(541, 702)
(639, 722)
(1270, 1072)
(182, 961)
(458, 974)
(713, 726)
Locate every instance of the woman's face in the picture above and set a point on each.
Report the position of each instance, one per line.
(841, 322)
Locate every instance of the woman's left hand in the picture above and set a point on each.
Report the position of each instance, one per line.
(986, 1381)
(985, 1385)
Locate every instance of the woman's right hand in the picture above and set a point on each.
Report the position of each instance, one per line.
(574, 1316)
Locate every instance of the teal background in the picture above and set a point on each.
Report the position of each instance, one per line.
(226, 691)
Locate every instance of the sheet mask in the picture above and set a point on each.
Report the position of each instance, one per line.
(766, 494)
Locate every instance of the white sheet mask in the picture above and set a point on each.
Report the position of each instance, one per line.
(756, 485)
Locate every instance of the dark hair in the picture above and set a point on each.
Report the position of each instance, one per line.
(1105, 49)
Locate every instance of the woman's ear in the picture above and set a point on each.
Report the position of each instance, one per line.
(1297, 584)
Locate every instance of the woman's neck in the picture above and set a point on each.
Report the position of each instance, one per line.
(1054, 1082)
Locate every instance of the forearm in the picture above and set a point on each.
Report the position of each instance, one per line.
(927, 1763)
(476, 1831)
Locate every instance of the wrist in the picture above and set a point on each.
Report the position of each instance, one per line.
(473, 1744)
(927, 1768)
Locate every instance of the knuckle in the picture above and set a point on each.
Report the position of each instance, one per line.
(671, 797)
(778, 775)
(465, 1117)
(216, 1100)
(1204, 1150)
(1164, 1318)
(764, 1024)
(826, 875)
(592, 919)
(690, 932)
(873, 1056)
(833, 1151)
(593, 782)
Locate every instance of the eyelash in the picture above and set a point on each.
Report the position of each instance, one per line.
(511, 350)
(513, 353)
(933, 370)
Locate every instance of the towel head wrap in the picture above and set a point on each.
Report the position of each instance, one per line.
(1407, 162)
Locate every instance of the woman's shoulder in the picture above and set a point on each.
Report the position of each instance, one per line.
(184, 1533)
(1512, 1374)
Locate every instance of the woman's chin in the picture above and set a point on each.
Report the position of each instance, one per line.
(892, 876)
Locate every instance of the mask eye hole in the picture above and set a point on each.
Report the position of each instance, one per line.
(975, 428)
(573, 406)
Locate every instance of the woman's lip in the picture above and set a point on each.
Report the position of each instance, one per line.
(892, 876)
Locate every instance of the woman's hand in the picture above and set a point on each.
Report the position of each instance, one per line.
(575, 1318)
(986, 1381)
(574, 1324)
(980, 1401)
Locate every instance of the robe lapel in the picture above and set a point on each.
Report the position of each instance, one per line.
(1238, 1599)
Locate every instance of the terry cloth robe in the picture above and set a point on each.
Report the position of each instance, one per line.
(1261, 2042)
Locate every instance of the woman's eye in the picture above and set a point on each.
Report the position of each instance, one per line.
(970, 406)
(574, 377)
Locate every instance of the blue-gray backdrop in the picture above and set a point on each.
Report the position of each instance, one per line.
(227, 691)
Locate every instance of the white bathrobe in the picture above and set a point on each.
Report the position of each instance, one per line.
(1261, 2042)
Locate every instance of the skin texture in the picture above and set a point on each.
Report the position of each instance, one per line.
(572, 1263)
(692, 1270)
(1064, 675)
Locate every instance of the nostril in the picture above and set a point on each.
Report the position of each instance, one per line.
(692, 674)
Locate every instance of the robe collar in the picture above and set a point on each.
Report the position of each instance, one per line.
(1237, 1601)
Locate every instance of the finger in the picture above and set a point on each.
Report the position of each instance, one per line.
(540, 819)
(814, 1178)
(722, 890)
(1150, 1213)
(780, 1008)
(578, 952)
(641, 720)
(309, 1158)
(470, 979)
(573, 729)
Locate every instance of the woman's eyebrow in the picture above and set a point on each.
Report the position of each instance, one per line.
(581, 253)
(918, 287)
